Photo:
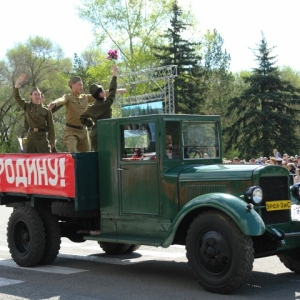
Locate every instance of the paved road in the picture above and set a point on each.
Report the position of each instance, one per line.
(83, 271)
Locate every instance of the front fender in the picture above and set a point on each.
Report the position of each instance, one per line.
(249, 221)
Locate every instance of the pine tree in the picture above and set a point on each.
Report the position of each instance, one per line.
(181, 52)
(264, 116)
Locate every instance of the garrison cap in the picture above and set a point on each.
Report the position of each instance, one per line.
(95, 89)
(74, 80)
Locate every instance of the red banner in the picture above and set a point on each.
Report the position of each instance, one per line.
(46, 174)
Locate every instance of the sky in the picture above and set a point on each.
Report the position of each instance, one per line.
(239, 22)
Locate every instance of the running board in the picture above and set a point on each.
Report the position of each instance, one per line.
(124, 239)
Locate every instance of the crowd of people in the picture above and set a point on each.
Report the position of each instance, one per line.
(291, 163)
(82, 111)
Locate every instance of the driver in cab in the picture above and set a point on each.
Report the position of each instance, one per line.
(137, 154)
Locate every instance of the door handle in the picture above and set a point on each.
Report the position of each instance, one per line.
(121, 169)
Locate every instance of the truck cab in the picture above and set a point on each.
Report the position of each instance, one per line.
(145, 193)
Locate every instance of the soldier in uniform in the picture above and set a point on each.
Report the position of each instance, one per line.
(76, 135)
(26, 125)
(101, 109)
(39, 121)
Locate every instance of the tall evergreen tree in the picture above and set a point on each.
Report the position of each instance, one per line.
(181, 52)
(265, 115)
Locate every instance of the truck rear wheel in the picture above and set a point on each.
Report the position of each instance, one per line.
(52, 236)
(26, 236)
(291, 260)
(219, 255)
(114, 248)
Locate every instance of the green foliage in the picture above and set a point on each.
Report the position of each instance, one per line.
(218, 80)
(288, 74)
(264, 116)
(130, 26)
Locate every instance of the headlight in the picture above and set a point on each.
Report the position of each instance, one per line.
(254, 194)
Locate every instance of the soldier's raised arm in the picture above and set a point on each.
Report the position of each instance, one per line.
(20, 81)
(21, 102)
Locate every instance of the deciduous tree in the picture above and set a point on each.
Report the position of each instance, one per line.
(130, 26)
(218, 80)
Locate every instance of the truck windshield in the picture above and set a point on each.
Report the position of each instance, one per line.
(200, 140)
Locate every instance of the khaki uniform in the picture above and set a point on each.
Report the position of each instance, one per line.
(40, 122)
(26, 126)
(76, 136)
(99, 110)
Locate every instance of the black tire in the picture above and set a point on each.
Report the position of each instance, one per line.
(219, 255)
(114, 248)
(53, 237)
(67, 209)
(26, 236)
(291, 260)
(133, 248)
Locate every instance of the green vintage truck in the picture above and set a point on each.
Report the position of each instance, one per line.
(177, 192)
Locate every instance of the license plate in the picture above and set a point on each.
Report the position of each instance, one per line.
(278, 205)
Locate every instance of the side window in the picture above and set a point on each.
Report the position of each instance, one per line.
(172, 140)
(200, 140)
(138, 142)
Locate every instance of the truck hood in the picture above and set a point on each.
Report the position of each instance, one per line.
(220, 171)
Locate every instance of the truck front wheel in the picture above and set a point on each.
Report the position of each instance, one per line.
(26, 236)
(291, 260)
(219, 255)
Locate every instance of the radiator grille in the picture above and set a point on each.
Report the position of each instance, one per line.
(195, 190)
(274, 188)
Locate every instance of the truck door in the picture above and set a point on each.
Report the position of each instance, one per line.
(138, 169)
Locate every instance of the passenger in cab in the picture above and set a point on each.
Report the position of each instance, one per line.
(138, 155)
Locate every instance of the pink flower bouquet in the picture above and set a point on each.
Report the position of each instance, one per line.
(112, 55)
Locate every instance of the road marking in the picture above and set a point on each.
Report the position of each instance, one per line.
(93, 258)
(46, 269)
(3, 248)
(6, 281)
(164, 255)
(161, 254)
(138, 257)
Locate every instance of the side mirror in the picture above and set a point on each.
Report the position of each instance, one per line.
(295, 191)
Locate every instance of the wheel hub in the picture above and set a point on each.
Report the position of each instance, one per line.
(21, 237)
(214, 252)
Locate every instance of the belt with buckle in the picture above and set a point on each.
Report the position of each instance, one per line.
(76, 127)
(37, 129)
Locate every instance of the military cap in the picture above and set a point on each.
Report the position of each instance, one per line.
(95, 89)
(74, 80)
